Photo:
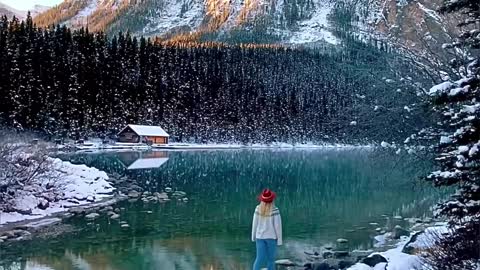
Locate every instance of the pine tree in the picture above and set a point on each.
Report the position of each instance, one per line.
(458, 102)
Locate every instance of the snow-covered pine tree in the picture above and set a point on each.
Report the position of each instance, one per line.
(459, 155)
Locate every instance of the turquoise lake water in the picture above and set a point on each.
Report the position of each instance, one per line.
(322, 195)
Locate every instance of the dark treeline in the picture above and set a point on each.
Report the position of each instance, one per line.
(76, 84)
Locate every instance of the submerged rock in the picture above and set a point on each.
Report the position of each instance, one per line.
(115, 216)
(179, 194)
(341, 253)
(342, 244)
(317, 266)
(125, 225)
(92, 216)
(135, 188)
(77, 210)
(15, 235)
(398, 232)
(327, 254)
(284, 262)
(161, 196)
(342, 241)
(8, 235)
(133, 194)
(328, 247)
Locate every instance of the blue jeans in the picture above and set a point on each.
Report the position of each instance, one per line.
(266, 251)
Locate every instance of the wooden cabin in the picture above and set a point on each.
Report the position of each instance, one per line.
(143, 134)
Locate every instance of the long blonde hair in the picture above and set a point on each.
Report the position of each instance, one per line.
(265, 209)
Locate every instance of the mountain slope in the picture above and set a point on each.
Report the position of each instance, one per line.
(414, 23)
(21, 14)
(10, 12)
(292, 21)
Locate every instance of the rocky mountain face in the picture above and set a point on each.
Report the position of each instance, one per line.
(414, 23)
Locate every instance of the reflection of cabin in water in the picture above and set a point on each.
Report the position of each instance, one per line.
(143, 134)
(142, 160)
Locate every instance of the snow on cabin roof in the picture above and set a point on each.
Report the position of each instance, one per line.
(147, 163)
(148, 130)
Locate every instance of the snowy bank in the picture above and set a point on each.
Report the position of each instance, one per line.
(98, 145)
(398, 260)
(64, 185)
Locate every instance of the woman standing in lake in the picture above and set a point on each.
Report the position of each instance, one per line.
(266, 230)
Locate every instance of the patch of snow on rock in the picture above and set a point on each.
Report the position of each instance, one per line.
(463, 149)
(385, 144)
(445, 140)
(430, 12)
(316, 28)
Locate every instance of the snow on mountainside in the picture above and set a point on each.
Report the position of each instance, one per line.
(293, 21)
(37, 9)
(10, 12)
(21, 14)
(413, 22)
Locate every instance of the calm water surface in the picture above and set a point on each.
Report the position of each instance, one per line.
(322, 194)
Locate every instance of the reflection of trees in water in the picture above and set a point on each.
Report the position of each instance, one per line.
(320, 186)
(133, 253)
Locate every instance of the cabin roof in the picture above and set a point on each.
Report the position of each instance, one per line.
(141, 130)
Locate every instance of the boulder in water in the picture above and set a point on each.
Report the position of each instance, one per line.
(342, 241)
(327, 254)
(344, 264)
(317, 266)
(374, 260)
(92, 216)
(77, 210)
(43, 204)
(133, 194)
(341, 253)
(398, 232)
(284, 262)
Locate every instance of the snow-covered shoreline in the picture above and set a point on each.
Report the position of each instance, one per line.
(64, 186)
(97, 145)
(398, 260)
